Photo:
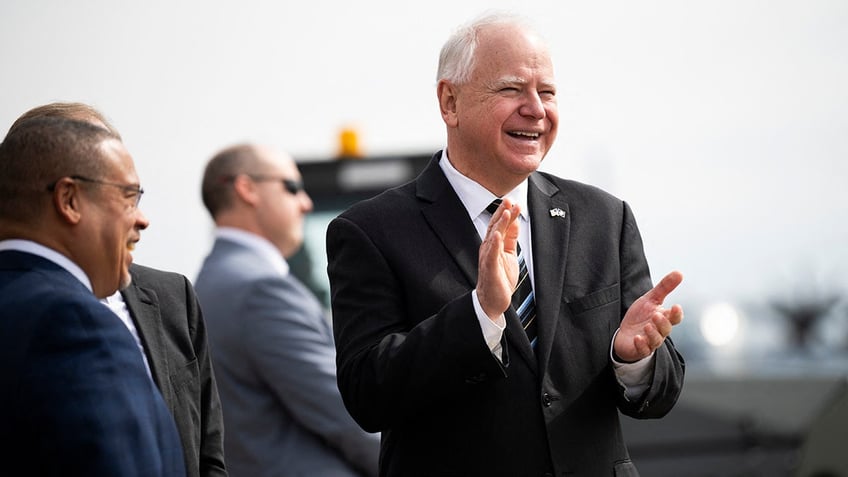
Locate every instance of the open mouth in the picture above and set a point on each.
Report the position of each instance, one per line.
(526, 135)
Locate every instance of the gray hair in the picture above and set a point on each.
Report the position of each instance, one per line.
(456, 60)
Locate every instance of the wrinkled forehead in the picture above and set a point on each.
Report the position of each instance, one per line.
(509, 53)
(499, 37)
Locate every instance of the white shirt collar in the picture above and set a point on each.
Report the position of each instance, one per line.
(259, 245)
(475, 197)
(34, 248)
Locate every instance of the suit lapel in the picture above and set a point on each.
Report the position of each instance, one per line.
(550, 223)
(143, 305)
(449, 219)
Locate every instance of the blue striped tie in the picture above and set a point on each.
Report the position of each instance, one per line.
(523, 297)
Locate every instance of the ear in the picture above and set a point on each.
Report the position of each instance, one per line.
(67, 200)
(245, 189)
(447, 102)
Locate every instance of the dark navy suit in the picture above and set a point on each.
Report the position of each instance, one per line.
(75, 399)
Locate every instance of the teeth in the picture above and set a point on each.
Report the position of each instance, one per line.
(131, 246)
(526, 134)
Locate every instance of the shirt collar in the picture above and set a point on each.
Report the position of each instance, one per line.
(257, 244)
(28, 246)
(474, 196)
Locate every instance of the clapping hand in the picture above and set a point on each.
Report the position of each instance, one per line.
(647, 323)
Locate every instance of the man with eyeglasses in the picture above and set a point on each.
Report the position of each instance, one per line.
(161, 311)
(271, 342)
(75, 400)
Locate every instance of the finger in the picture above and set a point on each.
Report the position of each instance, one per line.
(641, 345)
(505, 222)
(496, 222)
(511, 233)
(653, 337)
(662, 324)
(509, 216)
(675, 315)
(490, 249)
(665, 286)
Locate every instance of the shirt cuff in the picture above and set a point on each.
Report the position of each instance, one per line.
(492, 330)
(636, 377)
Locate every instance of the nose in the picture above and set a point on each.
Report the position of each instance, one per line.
(305, 202)
(532, 106)
(141, 221)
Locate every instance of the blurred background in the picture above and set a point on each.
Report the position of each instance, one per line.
(724, 124)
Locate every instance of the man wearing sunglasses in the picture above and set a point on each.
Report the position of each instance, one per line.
(270, 340)
(76, 399)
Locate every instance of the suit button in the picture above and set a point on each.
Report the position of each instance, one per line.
(546, 400)
(477, 379)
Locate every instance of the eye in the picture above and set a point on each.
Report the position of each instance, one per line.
(133, 195)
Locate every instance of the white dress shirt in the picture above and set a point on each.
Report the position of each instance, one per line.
(118, 306)
(635, 377)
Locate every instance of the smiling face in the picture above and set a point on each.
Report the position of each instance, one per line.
(113, 220)
(503, 121)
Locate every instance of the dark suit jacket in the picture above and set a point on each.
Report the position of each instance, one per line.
(75, 399)
(412, 359)
(168, 318)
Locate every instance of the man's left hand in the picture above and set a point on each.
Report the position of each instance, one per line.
(646, 323)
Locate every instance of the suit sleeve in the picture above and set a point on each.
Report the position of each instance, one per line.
(94, 409)
(668, 364)
(290, 344)
(211, 419)
(392, 366)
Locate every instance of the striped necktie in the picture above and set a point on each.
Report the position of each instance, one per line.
(523, 297)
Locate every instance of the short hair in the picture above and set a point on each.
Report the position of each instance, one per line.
(38, 152)
(457, 60)
(216, 190)
(69, 110)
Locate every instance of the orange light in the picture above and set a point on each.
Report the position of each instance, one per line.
(349, 143)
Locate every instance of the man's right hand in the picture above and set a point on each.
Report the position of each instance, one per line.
(498, 261)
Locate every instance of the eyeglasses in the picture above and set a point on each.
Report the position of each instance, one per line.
(135, 190)
(292, 186)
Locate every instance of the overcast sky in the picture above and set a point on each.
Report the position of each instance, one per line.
(724, 123)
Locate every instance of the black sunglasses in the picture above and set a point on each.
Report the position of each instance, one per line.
(292, 186)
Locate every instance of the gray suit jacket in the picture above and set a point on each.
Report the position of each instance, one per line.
(275, 362)
(166, 314)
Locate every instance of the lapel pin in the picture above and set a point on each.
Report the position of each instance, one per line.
(557, 212)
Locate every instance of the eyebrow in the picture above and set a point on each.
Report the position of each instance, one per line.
(518, 80)
(507, 80)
